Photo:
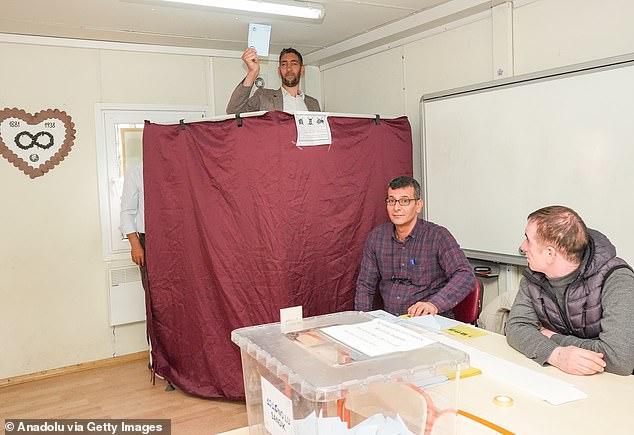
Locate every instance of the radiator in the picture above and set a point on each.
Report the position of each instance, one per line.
(127, 298)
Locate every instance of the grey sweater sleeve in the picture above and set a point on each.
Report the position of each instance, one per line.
(522, 329)
(616, 340)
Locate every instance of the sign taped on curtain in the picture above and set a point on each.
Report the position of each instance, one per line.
(312, 129)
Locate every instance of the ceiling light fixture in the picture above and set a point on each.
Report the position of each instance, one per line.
(289, 8)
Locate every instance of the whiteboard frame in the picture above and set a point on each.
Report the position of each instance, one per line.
(626, 60)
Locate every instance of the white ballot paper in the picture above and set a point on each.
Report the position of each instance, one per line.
(435, 323)
(312, 129)
(545, 387)
(378, 424)
(377, 337)
(259, 38)
(290, 319)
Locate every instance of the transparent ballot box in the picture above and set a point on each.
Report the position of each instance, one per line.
(348, 373)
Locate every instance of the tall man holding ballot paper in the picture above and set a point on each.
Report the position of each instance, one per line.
(288, 98)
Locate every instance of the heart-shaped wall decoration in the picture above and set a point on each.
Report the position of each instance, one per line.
(35, 144)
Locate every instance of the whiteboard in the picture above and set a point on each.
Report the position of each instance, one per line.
(493, 153)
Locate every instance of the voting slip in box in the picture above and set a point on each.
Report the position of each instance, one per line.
(347, 373)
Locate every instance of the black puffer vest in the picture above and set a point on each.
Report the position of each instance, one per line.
(581, 315)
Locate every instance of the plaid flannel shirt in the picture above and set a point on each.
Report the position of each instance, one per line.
(428, 266)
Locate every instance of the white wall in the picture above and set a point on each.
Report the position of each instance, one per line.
(554, 33)
(370, 85)
(392, 82)
(542, 34)
(447, 60)
(518, 37)
(53, 279)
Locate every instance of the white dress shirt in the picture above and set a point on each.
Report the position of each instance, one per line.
(294, 104)
(132, 202)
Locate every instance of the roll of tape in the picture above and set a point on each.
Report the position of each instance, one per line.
(502, 400)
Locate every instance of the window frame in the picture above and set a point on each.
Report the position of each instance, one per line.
(107, 116)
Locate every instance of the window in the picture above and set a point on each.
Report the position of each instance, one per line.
(119, 144)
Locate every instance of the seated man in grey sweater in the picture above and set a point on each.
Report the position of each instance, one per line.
(575, 306)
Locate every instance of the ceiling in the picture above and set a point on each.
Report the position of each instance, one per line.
(153, 22)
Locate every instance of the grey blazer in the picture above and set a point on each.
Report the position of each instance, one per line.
(262, 99)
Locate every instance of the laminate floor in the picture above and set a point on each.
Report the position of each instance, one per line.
(119, 391)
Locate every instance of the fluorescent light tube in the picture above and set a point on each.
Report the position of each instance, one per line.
(292, 9)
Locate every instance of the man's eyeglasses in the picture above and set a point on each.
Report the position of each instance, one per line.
(403, 202)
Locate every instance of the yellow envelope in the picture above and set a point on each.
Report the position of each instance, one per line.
(465, 331)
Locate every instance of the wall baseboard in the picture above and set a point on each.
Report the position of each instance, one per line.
(73, 368)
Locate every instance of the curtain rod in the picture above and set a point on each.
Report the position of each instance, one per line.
(262, 112)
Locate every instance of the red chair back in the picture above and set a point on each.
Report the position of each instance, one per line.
(469, 309)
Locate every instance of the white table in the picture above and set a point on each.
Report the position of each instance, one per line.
(606, 410)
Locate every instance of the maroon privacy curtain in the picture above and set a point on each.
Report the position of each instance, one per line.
(240, 223)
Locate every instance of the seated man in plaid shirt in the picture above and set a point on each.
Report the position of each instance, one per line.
(417, 266)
